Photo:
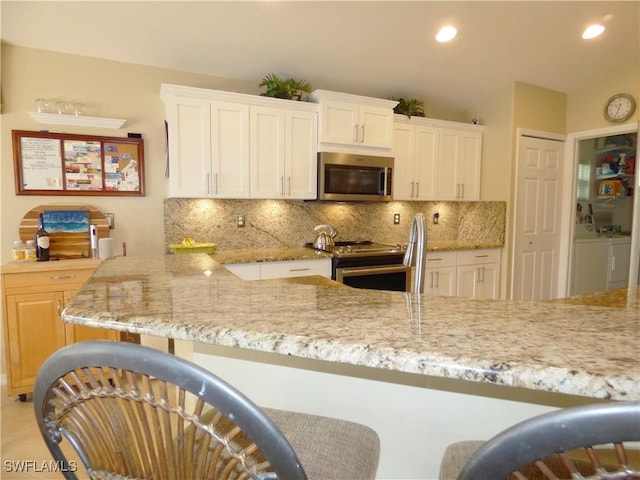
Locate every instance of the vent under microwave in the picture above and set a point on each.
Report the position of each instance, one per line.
(348, 177)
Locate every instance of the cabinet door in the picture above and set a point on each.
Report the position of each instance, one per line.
(301, 155)
(619, 262)
(35, 332)
(339, 123)
(229, 150)
(590, 264)
(403, 165)
(448, 185)
(189, 130)
(426, 153)
(375, 125)
(468, 164)
(267, 147)
(441, 281)
(459, 155)
(479, 281)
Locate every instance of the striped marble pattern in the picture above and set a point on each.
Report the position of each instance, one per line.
(287, 223)
(573, 349)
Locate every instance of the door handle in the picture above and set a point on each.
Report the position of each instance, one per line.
(355, 133)
(362, 136)
(62, 277)
(417, 189)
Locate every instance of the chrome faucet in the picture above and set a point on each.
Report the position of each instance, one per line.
(416, 254)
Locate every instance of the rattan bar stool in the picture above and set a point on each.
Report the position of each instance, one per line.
(588, 442)
(132, 412)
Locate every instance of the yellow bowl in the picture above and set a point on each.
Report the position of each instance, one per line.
(197, 248)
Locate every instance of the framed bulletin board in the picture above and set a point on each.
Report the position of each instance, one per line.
(66, 164)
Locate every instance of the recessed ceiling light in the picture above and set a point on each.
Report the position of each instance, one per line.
(592, 31)
(446, 34)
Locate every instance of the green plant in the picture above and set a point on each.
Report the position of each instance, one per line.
(409, 107)
(280, 88)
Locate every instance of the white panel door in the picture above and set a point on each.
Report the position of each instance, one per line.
(189, 121)
(468, 165)
(339, 123)
(375, 126)
(301, 155)
(537, 219)
(426, 153)
(230, 150)
(403, 164)
(266, 152)
(448, 184)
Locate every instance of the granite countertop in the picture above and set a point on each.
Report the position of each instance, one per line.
(547, 346)
(252, 255)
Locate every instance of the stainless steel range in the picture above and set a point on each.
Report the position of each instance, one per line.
(366, 264)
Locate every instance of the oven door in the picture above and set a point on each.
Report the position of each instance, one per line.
(377, 277)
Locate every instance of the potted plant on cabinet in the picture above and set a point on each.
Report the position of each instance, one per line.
(409, 107)
(289, 88)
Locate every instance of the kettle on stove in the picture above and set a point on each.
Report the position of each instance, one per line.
(324, 236)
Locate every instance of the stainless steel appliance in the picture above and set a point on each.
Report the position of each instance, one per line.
(351, 177)
(365, 264)
(324, 236)
(416, 254)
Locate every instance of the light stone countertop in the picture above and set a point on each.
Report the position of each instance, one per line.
(548, 346)
(252, 255)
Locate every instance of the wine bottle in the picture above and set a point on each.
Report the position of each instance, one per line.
(42, 241)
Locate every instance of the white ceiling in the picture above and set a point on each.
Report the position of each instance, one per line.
(382, 49)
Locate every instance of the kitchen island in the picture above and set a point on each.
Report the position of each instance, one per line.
(423, 371)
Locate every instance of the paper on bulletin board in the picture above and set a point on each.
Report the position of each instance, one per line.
(83, 164)
(41, 164)
(121, 167)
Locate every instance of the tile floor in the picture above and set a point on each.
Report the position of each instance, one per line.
(22, 442)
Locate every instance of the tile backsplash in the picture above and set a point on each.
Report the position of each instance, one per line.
(289, 223)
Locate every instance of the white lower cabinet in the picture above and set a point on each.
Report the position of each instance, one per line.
(479, 273)
(441, 273)
(285, 269)
(466, 273)
(600, 264)
(619, 262)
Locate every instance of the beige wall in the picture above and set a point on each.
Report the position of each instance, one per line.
(108, 89)
(585, 106)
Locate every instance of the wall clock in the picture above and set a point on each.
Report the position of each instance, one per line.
(619, 108)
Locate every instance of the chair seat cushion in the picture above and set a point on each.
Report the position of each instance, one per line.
(455, 456)
(329, 448)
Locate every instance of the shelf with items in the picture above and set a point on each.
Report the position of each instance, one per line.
(76, 120)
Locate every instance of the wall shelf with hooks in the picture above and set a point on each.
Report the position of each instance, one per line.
(77, 120)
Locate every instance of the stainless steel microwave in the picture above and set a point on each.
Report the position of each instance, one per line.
(349, 177)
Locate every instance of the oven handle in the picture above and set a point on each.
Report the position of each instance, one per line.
(374, 270)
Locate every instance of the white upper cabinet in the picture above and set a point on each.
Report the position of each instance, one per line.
(459, 159)
(189, 138)
(230, 168)
(283, 153)
(229, 145)
(415, 149)
(354, 123)
(436, 160)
